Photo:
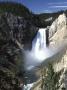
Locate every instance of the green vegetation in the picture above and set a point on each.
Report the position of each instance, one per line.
(8, 81)
(50, 81)
(40, 18)
(14, 8)
(11, 55)
(36, 19)
(11, 58)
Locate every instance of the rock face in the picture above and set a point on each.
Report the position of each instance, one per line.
(59, 37)
(58, 31)
(19, 28)
(16, 33)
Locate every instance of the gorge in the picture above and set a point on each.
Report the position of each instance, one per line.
(41, 37)
(41, 53)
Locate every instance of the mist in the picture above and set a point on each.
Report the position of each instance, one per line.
(40, 51)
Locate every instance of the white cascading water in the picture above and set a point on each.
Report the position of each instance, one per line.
(39, 50)
(38, 53)
(39, 45)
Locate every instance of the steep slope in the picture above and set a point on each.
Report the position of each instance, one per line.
(46, 19)
(57, 38)
(16, 34)
(60, 39)
(58, 31)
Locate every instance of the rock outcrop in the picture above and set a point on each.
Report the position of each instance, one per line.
(58, 31)
(59, 38)
(16, 33)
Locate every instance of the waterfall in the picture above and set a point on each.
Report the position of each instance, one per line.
(39, 51)
(39, 45)
(37, 55)
(40, 41)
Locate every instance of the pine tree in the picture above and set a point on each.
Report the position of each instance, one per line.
(51, 80)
